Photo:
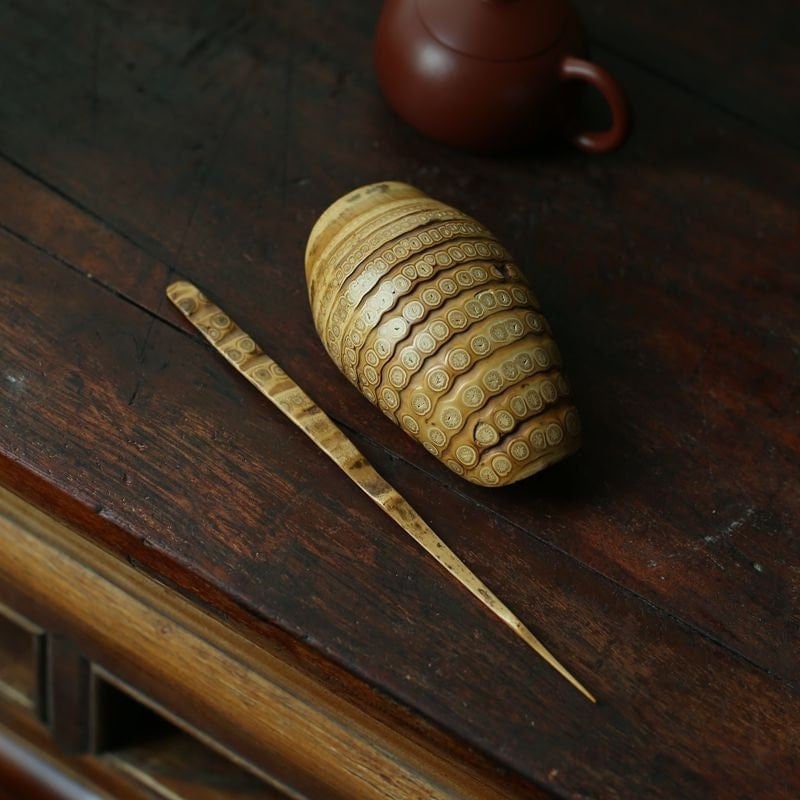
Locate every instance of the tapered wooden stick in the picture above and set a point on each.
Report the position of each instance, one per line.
(248, 358)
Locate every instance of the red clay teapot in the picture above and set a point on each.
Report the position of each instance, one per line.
(492, 75)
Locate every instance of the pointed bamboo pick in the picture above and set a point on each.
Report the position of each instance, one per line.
(251, 361)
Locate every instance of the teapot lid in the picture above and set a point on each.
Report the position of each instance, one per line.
(498, 30)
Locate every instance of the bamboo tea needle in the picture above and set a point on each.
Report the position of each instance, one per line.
(251, 361)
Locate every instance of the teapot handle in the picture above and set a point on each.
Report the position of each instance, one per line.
(579, 69)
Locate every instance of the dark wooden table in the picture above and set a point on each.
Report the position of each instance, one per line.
(143, 141)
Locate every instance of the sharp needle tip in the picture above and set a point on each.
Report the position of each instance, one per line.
(577, 684)
(545, 654)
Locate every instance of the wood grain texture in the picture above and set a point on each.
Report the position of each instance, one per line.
(239, 349)
(28, 774)
(662, 232)
(22, 661)
(738, 56)
(237, 698)
(211, 139)
(263, 551)
(90, 777)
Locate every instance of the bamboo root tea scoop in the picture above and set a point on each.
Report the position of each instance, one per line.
(247, 357)
(427, 314)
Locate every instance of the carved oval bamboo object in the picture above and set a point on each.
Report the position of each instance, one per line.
(427, 314)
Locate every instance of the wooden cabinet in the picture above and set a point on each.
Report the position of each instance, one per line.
(134, 689)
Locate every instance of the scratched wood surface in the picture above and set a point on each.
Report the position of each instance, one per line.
(661, 563)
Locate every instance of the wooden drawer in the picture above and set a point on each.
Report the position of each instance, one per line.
(126, 684)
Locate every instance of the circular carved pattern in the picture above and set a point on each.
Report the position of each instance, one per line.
(457, 319)
(421, 403)
(479, 273)
(474, 309)
(467, 455)
(390, 397)
(519, 450)
(480, 345)
(518, 406)
(487, 299)
(510, 370)
(439, 330)
(486, 435)
(451, 418)
(432, 297)
(541, 356)
(448, 286)
(538, 442)
(387, 234)
(524, 362)
(410, 358)
(361, 284)
(554, 433)
(409, 423)
(401, 283)
(397, 376)
(473, 396)
(425, 343)
(499, 332)
(455, 466)
(414, 311)
(534, 400)
(503, 297)
(488, 476)
(438, 380)
(437, 437)
(502, 466)
(492, 380)
(456, 253)
(449, 336)
(458, 359)
(504, 420)
(549, 392)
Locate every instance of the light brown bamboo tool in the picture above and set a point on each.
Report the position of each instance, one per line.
(248, 358)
